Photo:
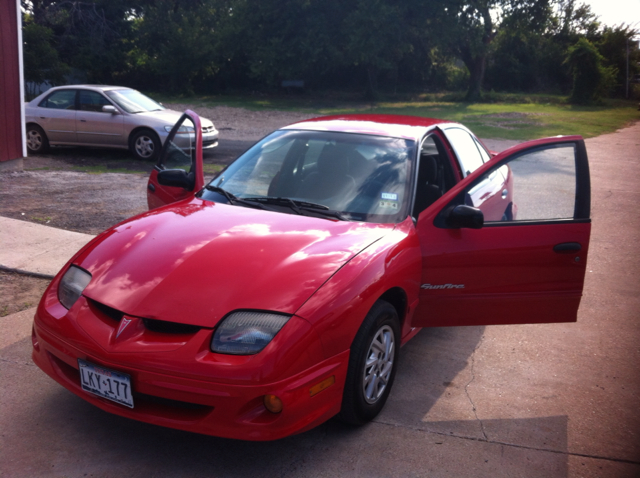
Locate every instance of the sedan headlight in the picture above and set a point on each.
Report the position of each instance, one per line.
(181, 130)
(71, 286)
(246, 333)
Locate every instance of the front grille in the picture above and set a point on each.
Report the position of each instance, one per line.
(164, 327)
(167, 402)
(160, 326)
(106, 310)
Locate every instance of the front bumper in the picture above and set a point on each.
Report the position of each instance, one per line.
(196, 402)
(209, 138)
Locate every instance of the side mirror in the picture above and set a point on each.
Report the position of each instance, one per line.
(465, 216)
(110, 109)
(177, 178)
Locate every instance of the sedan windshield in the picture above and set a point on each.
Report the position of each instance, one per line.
(348, 176)
(133, 101)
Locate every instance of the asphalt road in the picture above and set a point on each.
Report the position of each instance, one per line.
(530, 400)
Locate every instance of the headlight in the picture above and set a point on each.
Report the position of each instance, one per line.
(181, 130)
(71, 286)
(246, 333)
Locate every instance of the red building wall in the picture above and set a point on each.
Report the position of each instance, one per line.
(11, 144)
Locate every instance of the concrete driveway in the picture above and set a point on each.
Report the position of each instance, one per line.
(532, 400)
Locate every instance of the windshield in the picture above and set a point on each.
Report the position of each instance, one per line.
(363, 177)
(133, 101)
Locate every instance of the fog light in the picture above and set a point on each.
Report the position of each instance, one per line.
(319, 387)
(273, 403)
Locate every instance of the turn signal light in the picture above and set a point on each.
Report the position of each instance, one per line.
(34, 339)
(272, 403)
(319, 387)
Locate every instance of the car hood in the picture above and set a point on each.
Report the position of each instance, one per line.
(194, 262)
(168, 117)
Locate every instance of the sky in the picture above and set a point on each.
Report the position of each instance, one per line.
(615, 12)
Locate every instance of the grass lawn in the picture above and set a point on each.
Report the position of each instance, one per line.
(518, 117)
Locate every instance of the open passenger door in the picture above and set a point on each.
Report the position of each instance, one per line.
(526, 265)
(178, 174)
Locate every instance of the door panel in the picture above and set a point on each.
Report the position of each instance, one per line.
(508, 271)
(96, 127)
(57, 116)
(182, 151)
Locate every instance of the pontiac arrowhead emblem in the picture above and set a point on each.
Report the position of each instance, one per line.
(123, 325)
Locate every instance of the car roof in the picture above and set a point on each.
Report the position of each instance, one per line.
(92, 87)
(397, 126)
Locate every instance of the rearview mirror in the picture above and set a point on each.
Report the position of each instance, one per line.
(110, 109)
(465, 216)
(176, 178)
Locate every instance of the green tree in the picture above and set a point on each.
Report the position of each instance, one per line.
(90, 36)
(470, 27)
(176, 44)
(287, 39)
(41, 60)
(612, 45)
(591, 79)
(376, 38)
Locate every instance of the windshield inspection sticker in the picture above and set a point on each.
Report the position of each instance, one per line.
(389, 201)
(389, 204)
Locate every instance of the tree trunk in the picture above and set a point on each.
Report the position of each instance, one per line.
(476, 66)
(372, 83)
(475, 56)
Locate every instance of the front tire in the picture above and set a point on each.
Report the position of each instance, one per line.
(37, 141)
(372, 365)
(145, 145)
(508, 213)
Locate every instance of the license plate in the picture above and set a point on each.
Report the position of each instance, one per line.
(106, 383)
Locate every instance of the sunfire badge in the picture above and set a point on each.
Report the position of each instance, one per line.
(442, 286)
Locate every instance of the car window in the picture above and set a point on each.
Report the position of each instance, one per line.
(133, 101)
(60, 100)
(92, 101)
(179, 153)
(537, 185)
(466, 150)
(364, 176)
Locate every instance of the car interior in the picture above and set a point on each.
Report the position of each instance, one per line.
(435, 176)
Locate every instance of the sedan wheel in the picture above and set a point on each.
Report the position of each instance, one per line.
(372, 365)
(37, 141)
(145, 145)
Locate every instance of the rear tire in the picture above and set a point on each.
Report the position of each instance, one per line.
(145, 145)
(37, 141)
(372, 365)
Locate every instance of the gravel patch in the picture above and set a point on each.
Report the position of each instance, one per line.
(241, 124)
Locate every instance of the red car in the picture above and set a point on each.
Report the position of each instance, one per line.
(278, 295)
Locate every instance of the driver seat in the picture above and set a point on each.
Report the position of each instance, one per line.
(331, 183)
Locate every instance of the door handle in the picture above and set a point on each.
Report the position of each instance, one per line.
(151, 188)
(567, 247)
(83, 121)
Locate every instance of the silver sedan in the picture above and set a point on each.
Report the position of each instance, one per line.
(104, 116)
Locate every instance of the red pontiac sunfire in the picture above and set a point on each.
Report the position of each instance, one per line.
(278, 295)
